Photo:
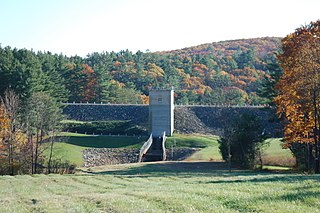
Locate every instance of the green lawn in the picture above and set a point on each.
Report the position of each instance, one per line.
(166, 187)
(107, 141)
(67, 152)
(195, 141)
(275, 149)
(274, 154)
(208, 144)
(72, 144)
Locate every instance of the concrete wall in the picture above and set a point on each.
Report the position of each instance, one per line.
(187, 119)
(161, 112)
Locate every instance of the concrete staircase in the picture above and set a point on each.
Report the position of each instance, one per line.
(154, 151)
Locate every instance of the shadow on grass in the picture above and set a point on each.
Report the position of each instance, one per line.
(106, 141)
(208, 169)
(169, 169)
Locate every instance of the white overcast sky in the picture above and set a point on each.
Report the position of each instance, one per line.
(84, 26)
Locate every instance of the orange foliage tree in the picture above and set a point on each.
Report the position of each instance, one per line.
(10, 135)
(299, 93)
(89, 84)
(4, 128)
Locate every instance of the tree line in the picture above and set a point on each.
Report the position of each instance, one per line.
(218, 73)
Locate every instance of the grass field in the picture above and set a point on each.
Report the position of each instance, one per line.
(165, 187)
(71, 149)
(72, 144)
(274, 154)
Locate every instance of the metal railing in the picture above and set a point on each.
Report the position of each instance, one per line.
(176, 105)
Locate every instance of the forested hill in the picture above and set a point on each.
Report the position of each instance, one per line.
(262, 46)
(227, 72)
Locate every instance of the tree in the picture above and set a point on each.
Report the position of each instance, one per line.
(100, 62)
(11, 135)
(89, 84)
(23, 132)
(234, 96)
(267, 89)
(298, 100)
(43, 119)
(74, 79)
(242, 141)
(4, 129)
(53, 66)
(119, 93)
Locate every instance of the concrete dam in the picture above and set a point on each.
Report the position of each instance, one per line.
(202, 119)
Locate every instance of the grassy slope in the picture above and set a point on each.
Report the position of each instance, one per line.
(67, 152)
(274, 154)
(208, 144)
(161, 188)
(275, 149)
(72, 150)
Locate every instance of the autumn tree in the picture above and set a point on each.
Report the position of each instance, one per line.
(4, 128)
(89, 84)
(299, 93)
(10, 130)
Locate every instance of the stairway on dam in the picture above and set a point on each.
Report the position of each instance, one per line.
(156, 151)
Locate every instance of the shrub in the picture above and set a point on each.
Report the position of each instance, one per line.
(105, 128)
(245, 136)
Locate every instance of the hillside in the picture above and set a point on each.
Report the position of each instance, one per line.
(227, 72)
(230, 71)
(262, 46)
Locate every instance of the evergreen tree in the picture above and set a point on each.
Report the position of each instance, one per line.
(267, 89)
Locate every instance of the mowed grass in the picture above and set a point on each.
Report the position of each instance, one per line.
(165, 187)
(71, 145)
(208, 144)
(275, 155)
(194, 140)
(66, 152)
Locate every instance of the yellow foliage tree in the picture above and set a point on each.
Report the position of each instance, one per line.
(4, 128)
(299, 88)
(4, 122)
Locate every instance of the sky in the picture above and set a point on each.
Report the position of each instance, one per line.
(80, 27)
